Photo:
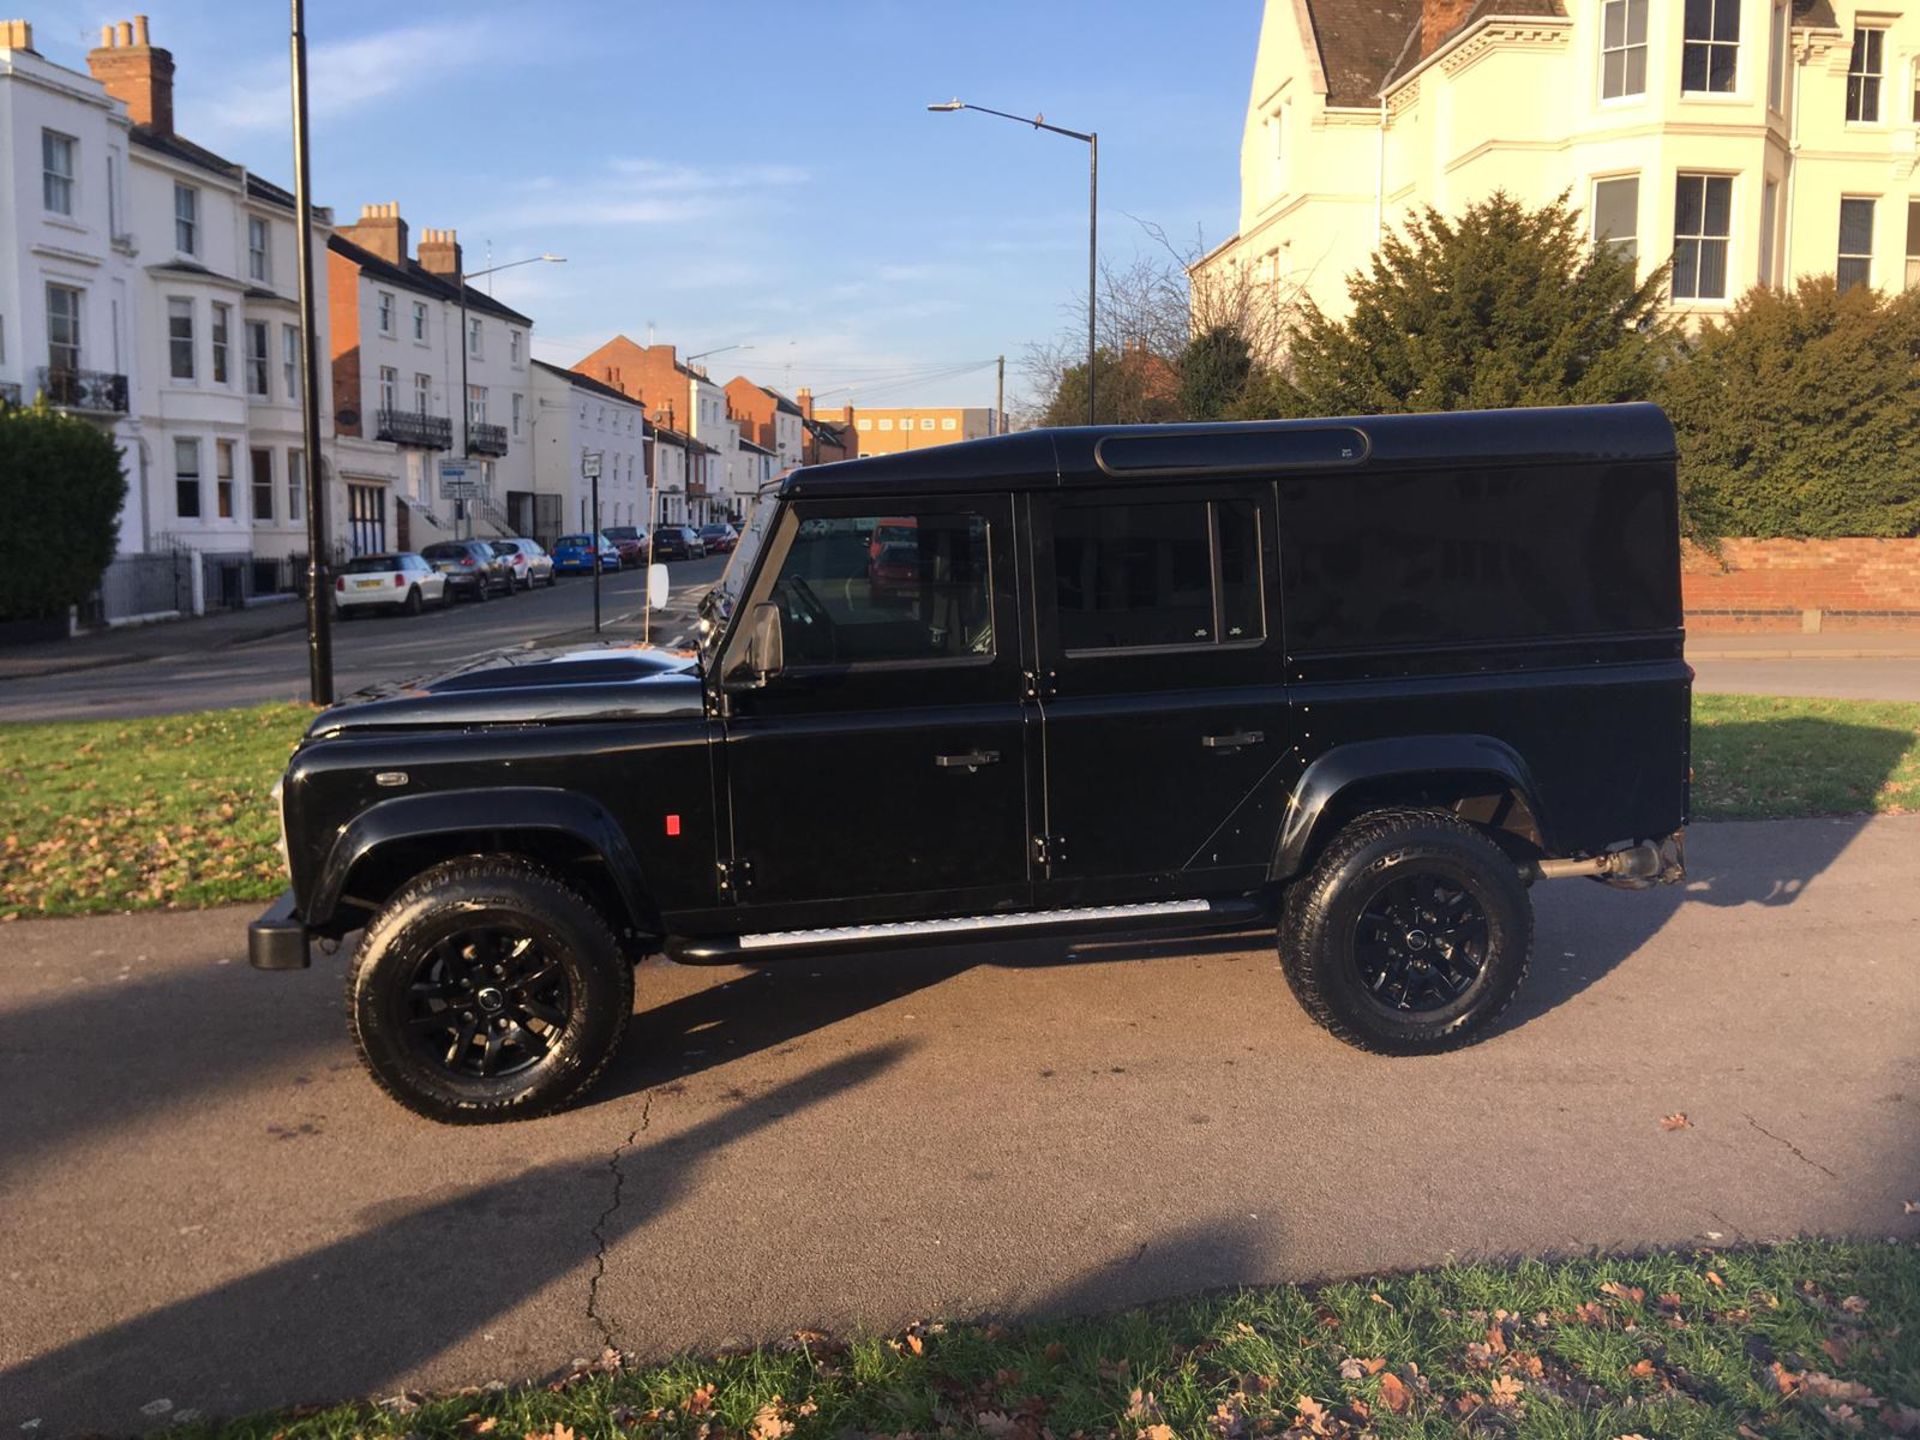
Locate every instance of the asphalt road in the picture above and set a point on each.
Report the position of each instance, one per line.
(206, 1204)
(183, 676)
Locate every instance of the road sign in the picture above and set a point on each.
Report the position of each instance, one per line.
(590, 464)
(457, 482)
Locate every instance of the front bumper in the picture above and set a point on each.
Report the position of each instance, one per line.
(278, 940)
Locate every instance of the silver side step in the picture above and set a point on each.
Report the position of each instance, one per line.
(971, 924)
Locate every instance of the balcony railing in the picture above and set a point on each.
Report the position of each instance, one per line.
(9, 393)
(90, 390)
(414, 427)
(486, 439)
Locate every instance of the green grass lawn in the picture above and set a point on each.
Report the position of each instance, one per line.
(1812, 1339)
(173, 812)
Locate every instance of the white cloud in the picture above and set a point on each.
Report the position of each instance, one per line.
(345, 74)
(653, 193)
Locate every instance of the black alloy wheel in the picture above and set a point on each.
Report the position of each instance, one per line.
(488, 988)
(1420, 942)
(1410, 934)
(487, 1001)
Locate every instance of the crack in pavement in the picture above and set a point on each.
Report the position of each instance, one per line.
(599, 1231)
(1799, 1154)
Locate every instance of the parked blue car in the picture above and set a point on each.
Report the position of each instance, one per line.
(573, 555)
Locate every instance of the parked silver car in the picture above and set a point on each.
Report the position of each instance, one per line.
(531, 564)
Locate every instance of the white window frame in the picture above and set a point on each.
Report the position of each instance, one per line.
(1769, 223)
(384, 312)
(1913, 244)
(1629, 245)
(296, 488)
(1709, 44)
(58, 188)
(476, 405)
(260, 517)
(1777, 52)
(1703, 238)
(186, 218)
(181, 307)
(475, 343)
(422, 392)
(516, 414)
(513, 347)
(260, 256)
(1864, 85)
(422, 324)
(290, 360)
(220, 339)
(224, 480)
(182, 445)
(389, 387)
(1625, 49)
(257, 362)
(1841, 257)
(75, 315)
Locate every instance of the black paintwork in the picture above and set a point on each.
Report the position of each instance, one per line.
(1480, 610)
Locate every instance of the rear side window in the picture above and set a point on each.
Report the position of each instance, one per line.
(444, 552)
(1144, 576)
(856, 590)
(371, 565)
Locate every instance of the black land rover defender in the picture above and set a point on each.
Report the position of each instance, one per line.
(1363, 679)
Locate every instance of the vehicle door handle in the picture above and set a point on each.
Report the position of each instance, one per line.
(972, 760)
(1239, 740)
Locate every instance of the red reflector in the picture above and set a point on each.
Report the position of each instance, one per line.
(341, 583)
(399, 580)
(673, 824)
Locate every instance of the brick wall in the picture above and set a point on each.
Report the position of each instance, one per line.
(1772, 584)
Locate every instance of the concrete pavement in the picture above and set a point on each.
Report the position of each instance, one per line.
(206, 1202)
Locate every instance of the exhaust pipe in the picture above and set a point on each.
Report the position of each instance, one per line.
(1651, 862)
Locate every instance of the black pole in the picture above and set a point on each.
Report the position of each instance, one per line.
(1093, 253)
(595, 478)
(319, 603)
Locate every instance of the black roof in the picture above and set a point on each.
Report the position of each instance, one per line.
(422, 281)
(1108, 454)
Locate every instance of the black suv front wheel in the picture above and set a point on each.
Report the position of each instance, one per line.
(1410, 935)
(488, 989)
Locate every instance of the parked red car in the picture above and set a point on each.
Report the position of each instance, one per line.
(630, 541)
(719, 538)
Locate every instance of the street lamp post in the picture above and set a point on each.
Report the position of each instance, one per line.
(319, 602)
(460, 279)
(1092, 142)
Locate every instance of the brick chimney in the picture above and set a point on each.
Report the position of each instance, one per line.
(1438, 20)
(805, 397)
(17, 35)
(135, 73)
(380, 230)
(440, 252)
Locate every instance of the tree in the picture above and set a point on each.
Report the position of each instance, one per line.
(1799, 414)
(61, 489)
(1214, 370)
(1500, 306)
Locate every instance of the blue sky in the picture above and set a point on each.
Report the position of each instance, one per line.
(741, 171)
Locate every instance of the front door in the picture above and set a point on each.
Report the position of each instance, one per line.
(1162, 685)
(883, 772)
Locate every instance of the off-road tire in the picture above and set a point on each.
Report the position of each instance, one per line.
(444, 900)
(1322, 911)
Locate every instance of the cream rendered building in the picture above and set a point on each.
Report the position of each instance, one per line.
(1753, 141)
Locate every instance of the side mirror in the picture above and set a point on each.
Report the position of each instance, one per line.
(766, 651)
(656, 587)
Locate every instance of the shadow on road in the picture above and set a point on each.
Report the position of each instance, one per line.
(356, 1317)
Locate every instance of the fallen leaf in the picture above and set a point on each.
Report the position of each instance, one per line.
(915, 1344)
(1854, 1305)
(1844, 1417)
(1588, 1313)
(1505, 1391)
(1394, 1393)
(1640, 1369)
(1836, 1350)
(998, 1424)
(1715, 1281)
(1787, 1381)
(1902, 1420)
(1497, 1338)
(1354, 1368)
(558, 1432)
(1633, 1294)
(768, 1424)
(1142, 1406)
(1055, 1353)
(1676, 1121)
(1825, 1387)
(700, 1401)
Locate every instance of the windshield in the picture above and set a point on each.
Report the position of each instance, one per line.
(718, 605)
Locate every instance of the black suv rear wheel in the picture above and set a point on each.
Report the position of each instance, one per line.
(1410, 935)
(488, 989)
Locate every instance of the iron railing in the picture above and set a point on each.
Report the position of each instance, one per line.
(486, 439)
(91, 390)
(414, 427)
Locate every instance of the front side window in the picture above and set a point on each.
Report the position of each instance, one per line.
(516, 415)
(1769, 208)
(259, 262)
(886, 588)
(1777, 57)
(221, 330)
(63, 328)
(1855, 263)
(262, 462)
(419, 322)
(1913, 244)
(386, 312)
(180, 338)
(476, 404)
(1616, 215)
(186, 477)
(296, 485)
(1702, 223)
(473, 336)
(1138, 576)
(1863, 76)
(56, 172)
(389, 387)
(422, 393)
(1710, 55)
(257, 359)
(513, 346)
(186, 219)
(1623, 48)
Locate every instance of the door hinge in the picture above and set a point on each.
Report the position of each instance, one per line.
(1049, 850)
(1038, 684)
(735, 876)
